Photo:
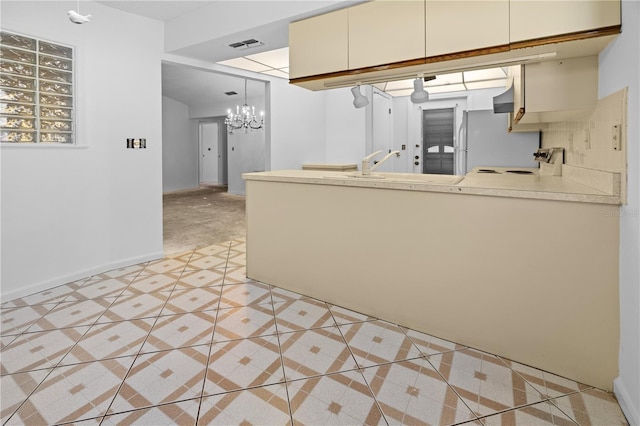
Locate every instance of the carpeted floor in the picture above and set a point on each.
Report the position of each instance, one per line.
(200, 217)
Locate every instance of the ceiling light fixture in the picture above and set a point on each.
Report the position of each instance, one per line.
(359, 100)
(419, 95)
(245, 117)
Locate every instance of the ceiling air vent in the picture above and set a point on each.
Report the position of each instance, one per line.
(231, 93)
(247, 44)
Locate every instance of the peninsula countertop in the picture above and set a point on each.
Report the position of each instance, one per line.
(531, 186)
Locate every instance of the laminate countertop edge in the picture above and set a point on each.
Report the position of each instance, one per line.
(555, 188)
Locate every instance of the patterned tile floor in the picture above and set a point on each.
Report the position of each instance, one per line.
(189, 340)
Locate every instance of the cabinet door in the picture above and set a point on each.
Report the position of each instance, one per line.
(386, 31)
(458, 26)
(319, 45)
(532, 19)
(559, 90)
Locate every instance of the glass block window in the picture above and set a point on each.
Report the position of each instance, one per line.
(36, 91)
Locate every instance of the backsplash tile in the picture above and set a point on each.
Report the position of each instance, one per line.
(600, 155)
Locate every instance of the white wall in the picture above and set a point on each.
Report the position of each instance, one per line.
(246, 152)
(298, 124)
(619, 67)
(69, 212)
(345, 128)
(179, 148)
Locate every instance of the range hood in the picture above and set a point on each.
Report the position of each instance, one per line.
(503, 102)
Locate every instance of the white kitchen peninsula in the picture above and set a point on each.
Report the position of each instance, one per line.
(525, 268)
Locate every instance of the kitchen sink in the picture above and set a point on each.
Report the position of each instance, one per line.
(401, 178)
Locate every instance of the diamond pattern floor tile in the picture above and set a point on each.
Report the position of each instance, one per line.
(181, 330)
(344, 316)
(414, 393)
(167, 265)
(162, 377)
(151, 283)
(541, 414)
(431, 345)
(236, 275)
(135, 306)
(485, 383)
(302, 314)
(265, 405)
(213, 261)
(378, 342)
(244, 294)
(16, 388)
(72, 314)
(315, 352)
(548, 384)
(109, 340)
(200, 278)
(74, 392)
(240, 364)
(33, 351)
(592, 407)
(189, 339)
(192, 300)
(243, 322)
(281, 295)
(335, 399)
(18, 319)
(180, 413)
(99, 288)
(52, 295)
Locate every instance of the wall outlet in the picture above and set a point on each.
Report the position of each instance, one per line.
(616, 137)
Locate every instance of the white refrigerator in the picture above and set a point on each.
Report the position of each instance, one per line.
(485, 142)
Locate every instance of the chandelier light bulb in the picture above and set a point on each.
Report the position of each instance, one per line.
(244, 118)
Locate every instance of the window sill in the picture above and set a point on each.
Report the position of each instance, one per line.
(47, 145)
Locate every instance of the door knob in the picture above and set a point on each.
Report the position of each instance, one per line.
(417, 157)
(417, 163)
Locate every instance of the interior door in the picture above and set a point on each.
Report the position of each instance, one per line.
(438, 141)
(209, 153)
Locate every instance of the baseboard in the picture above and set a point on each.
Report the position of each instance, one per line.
(624, 399)
(77, 275)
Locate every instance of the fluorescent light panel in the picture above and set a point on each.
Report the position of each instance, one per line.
(276, 63)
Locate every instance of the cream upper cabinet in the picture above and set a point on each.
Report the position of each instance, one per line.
(533, 19)
(386, 31)
(458, 26)
(558, 90)
(319, 45)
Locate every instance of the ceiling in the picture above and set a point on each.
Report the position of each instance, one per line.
(271, 56)
(158, 10)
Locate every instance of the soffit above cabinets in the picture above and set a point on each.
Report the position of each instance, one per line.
(276, 63)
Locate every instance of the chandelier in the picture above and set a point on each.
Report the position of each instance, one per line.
(245, 117)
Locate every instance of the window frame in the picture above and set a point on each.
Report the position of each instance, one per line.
(58, 127)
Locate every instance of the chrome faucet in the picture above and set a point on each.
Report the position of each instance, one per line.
(367, 168)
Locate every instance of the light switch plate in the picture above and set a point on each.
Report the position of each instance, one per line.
(615, 137)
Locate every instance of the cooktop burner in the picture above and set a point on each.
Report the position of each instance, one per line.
(520, 172)
(487, 171)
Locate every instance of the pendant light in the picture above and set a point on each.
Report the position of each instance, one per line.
(359, 100)
(419, 95)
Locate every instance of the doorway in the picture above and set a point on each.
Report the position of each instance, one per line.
(382, 127)
(438, 141)
(213, 168)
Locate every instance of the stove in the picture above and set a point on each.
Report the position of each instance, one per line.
(506, 171)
